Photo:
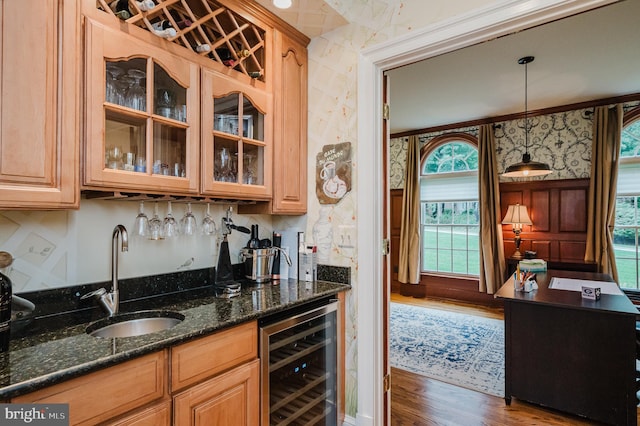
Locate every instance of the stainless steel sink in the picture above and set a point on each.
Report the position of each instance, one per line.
(135, 324)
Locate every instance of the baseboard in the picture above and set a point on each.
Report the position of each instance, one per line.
(349, 421)
(448, 288)
(361, 420)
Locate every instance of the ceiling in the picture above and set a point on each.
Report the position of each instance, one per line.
(594, 55)
(310, 17)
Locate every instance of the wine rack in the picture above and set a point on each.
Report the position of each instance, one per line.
(205, 27)
(301, 373)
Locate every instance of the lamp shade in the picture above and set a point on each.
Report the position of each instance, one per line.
(517, 215)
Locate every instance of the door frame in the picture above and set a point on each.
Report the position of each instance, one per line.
(498, 19)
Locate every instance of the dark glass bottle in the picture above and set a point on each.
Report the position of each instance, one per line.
(275, 268)
(254, 241)
(121, 8)
(181, 22)
(5, 312)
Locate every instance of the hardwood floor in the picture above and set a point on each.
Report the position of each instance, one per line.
(420, 401)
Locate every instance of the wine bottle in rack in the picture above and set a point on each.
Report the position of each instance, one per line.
(202, 48)
(164, 29)
(145, 5)
(181, 22)
(121, 9)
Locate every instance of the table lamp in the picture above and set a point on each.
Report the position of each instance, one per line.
(517, 216)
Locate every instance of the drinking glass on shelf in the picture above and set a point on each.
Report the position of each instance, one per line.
(170, 227)
(141, 224)
(188, 223)
(137, 95)
(208, 225)
(113, 73)
(248, 168)
(165, 103)
(225, 165)
(155, 225)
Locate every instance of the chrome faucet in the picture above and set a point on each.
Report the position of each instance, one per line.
(110, 302)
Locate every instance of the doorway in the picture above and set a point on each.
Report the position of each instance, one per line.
(467, 30)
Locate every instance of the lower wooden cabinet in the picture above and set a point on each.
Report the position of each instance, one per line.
(229, 399)
(213, 380)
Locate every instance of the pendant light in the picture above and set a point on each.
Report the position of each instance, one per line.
(526, 168)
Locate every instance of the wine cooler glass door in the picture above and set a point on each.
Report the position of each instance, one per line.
(300, 378)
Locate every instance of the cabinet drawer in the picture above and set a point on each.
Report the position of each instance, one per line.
(157, 415)
(195, 361)
(108, 393)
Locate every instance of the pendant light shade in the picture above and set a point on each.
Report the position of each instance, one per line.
(526, 168)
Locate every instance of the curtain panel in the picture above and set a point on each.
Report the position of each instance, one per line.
(607, 134)
(409, 261)
(492, 262)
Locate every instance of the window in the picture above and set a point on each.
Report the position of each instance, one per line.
(627, 220)
(449, 206)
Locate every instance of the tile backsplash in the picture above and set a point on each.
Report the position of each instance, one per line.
(53, 249)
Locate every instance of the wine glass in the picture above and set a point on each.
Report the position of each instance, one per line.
(137, 95)
(141, 224)
(155, 225)
(170, 227)
(248, 170)
(188, 222)
(225, 165)
(113, 72)
(208, 225)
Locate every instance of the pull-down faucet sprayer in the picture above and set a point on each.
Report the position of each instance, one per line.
(110, 302)
(121, 231)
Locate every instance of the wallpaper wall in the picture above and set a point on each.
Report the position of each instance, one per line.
(333, 60)
(562, 140)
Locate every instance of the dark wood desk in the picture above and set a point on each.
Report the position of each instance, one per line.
(571, 354)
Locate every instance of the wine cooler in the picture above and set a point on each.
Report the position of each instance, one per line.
(299, 367)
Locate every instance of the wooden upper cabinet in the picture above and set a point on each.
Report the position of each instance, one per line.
(142, 106)
(290, 130)
(236, 138)
(290, 183)
(39, 104)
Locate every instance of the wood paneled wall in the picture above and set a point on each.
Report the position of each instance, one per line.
(558, 210)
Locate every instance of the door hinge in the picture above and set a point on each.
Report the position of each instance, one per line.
(385, 246)
(386, 383)
(385, 111)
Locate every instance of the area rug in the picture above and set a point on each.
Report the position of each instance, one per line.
(464, 350)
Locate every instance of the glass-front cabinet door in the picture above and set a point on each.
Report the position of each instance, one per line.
(236, 138)
(142, 116)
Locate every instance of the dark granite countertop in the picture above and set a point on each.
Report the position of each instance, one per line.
(52, 356)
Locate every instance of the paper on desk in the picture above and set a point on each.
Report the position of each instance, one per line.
(606, 287)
